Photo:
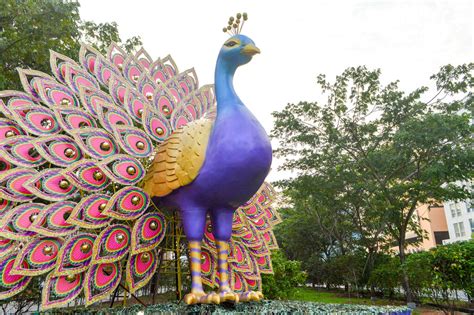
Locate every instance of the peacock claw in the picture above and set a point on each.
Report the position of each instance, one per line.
(193, 297)
(211, 298)
(229, 297)
(251, 296)
(216, 299)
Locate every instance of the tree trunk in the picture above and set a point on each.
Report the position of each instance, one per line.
(401, 248)
(405, 280)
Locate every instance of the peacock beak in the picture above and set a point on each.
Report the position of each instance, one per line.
(250, 50)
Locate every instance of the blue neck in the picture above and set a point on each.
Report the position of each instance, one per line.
(224, 84)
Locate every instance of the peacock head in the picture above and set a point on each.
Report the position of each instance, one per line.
(237, 51)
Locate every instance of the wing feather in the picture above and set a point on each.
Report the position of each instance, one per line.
(179, 158)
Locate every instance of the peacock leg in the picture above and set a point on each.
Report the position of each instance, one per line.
(222, 229)
(194, 222)
(197, 293)
(225, 292)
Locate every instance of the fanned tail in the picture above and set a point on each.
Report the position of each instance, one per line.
(74, 150)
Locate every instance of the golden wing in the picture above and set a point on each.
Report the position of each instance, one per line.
(179, 158)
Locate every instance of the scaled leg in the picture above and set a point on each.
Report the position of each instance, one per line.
(194, 223)
(222, 230)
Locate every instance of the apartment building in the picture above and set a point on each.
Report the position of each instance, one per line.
(432, 219)
(460, 220)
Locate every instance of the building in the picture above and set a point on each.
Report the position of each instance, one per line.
(432, 219)
(460, 219)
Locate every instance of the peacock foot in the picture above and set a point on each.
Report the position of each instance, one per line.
(251, 296)
(194, 297)
(229, 296)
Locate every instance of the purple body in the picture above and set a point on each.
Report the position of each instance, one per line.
(238, 159)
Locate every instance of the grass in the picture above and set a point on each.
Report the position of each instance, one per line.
(312, 295)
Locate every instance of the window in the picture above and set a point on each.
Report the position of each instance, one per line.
(459, 229)
(471, 222)
(455, 209)
(470, 206)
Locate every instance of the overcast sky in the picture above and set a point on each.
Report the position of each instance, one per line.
(408, 40)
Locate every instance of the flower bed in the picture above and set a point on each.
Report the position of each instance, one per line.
(264, 307)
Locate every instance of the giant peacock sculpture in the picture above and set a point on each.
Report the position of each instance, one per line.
(91, 156)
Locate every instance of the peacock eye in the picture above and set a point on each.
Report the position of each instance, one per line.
(230, 44)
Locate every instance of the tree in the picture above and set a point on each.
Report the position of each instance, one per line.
(30, 28)
(318, 236)
(384, 150)
(332, 217)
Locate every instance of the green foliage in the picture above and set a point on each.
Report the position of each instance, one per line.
(344, 270)
(386, 276)
(437, 275)
(30, 28)
(368, 155)
(441, 273)
(103, 34)
(452, 269)
(286, 276)
(418, 267)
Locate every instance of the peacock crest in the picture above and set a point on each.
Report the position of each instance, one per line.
(234, 25)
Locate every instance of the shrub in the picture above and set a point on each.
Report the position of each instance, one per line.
(286, 276)
(438, 275)
(419, 271)
(453, 270)
(386, 276)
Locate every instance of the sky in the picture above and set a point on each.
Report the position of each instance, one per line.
(408, 40)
